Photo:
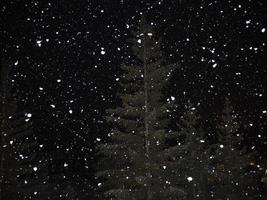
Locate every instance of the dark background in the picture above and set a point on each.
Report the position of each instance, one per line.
(60, 76)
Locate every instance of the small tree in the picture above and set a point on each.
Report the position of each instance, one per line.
(196, 156)
(230, 159)
(191, 152)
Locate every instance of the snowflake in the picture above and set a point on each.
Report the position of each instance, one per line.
(214, 65)
(39, 43)
(28, 115)
(189, 179)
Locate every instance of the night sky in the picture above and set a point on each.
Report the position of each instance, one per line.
(65, 59)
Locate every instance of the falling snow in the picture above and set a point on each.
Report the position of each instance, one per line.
(66, 74)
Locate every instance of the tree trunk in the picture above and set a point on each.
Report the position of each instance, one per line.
(147, 142)
(3, 91)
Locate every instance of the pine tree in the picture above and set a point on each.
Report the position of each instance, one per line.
(192, 154)
(230, 160)
(29, 172)
(22, 173)
(134, 165)
(7, 177)
(196, 157)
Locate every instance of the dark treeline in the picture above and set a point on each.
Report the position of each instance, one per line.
(152, 154)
